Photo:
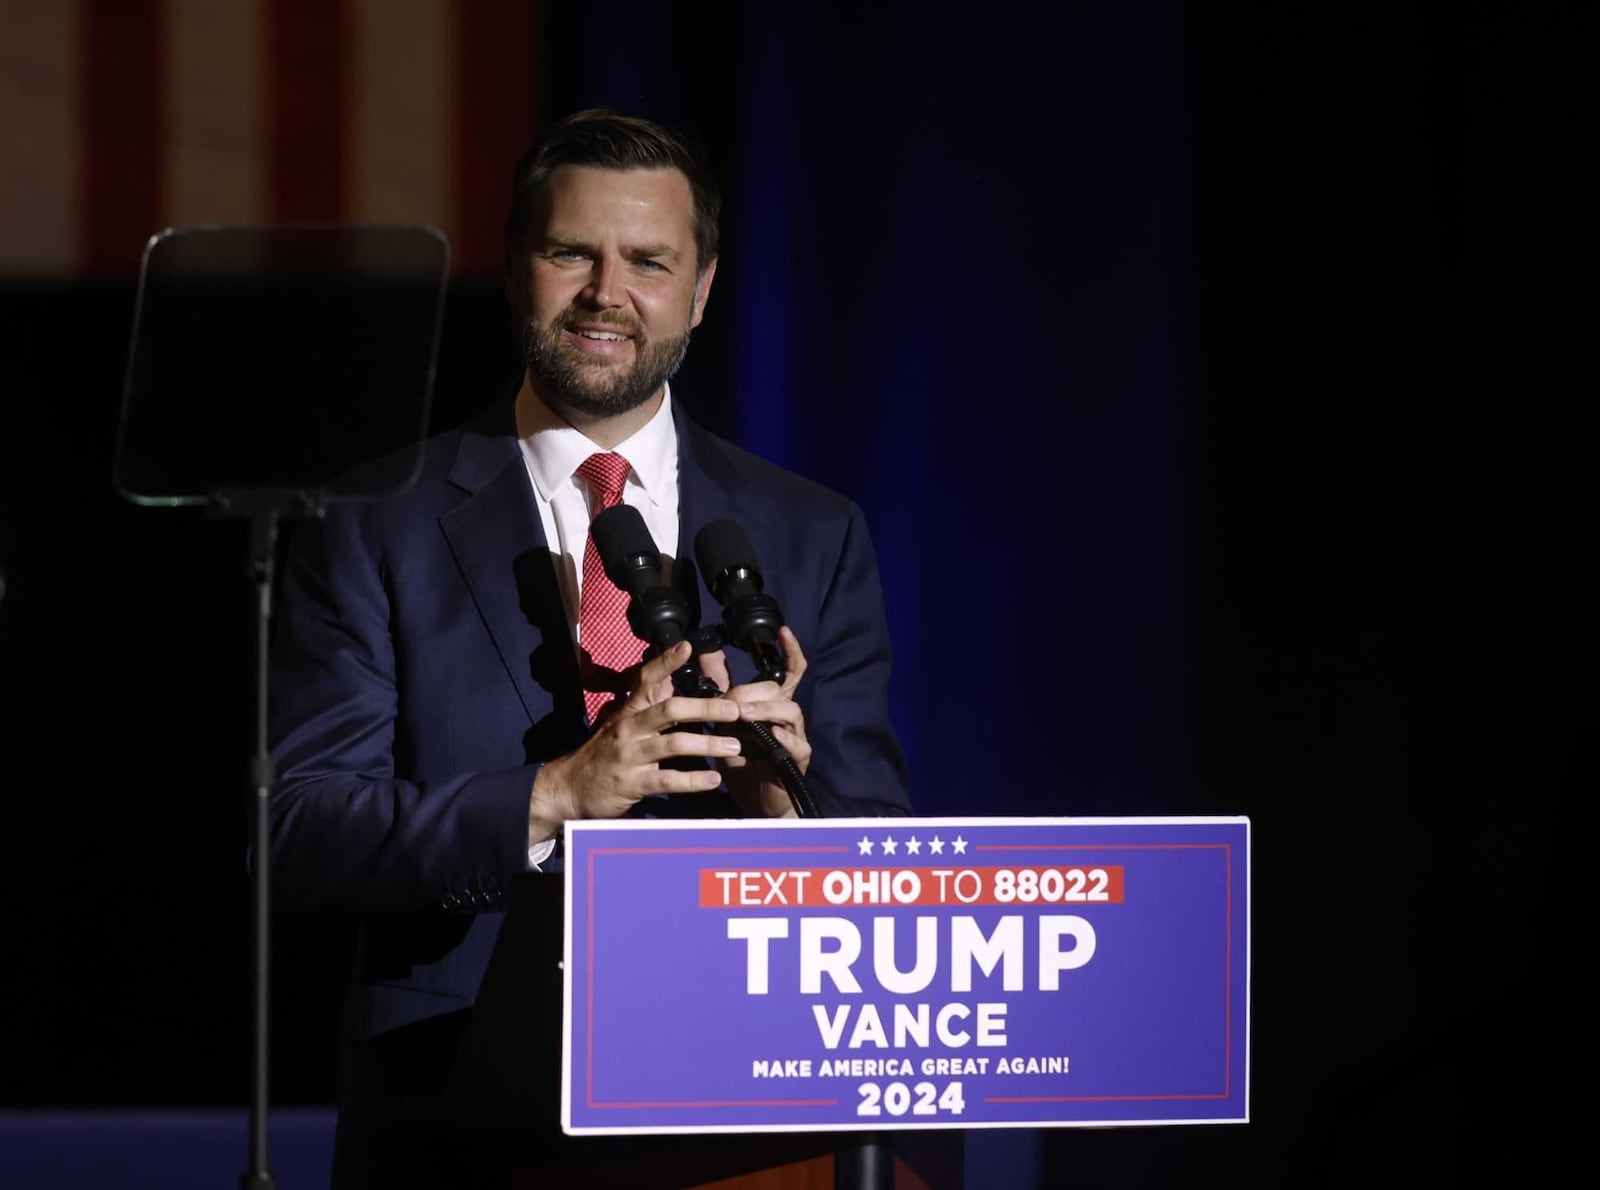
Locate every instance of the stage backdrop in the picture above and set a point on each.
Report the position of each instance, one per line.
(1204, 373)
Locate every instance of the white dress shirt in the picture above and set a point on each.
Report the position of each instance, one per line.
(553, 451)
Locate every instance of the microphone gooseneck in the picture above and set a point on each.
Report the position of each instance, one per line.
(794, 781)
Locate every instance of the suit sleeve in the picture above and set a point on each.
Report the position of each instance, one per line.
(856, 764)
(348, 832)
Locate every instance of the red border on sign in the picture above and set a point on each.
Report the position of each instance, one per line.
(1227, 966)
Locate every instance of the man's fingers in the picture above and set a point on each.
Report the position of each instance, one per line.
(777, 710)
(691, 743)
(755, 692)
(679, 708)
(714, 665)
(688, 781)
(656, 671)
(647, 779)
(794, 661)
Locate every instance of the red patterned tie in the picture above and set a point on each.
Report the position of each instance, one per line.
(607, 646)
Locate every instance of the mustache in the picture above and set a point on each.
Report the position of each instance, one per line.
(619, 322)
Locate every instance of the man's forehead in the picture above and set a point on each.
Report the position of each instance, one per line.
(575, 190)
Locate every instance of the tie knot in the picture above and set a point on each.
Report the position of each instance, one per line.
(605, 474)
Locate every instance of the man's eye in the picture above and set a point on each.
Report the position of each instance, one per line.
(650, 266)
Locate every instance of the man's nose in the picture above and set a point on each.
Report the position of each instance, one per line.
(605, 289)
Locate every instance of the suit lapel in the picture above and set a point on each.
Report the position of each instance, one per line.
(704, 495)
(499, 544)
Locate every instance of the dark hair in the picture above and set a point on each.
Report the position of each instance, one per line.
(608, 139)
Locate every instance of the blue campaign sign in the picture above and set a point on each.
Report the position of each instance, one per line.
(894, 973)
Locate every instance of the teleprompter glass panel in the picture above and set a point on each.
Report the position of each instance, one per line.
(296, 360)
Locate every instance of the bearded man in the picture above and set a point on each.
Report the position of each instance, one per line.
(446, 688)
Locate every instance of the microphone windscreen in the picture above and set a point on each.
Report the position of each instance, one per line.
(621, 537)
(722, 545)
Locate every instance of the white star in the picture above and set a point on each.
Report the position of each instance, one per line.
(937, 846)
(888, 846)
(959, 846)
(913, 845)
(865, 845)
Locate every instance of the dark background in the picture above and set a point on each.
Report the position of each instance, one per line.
(1210, 377)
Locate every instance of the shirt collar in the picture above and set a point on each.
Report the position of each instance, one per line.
(555, 449)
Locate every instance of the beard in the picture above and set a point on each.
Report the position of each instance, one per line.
(570, 381)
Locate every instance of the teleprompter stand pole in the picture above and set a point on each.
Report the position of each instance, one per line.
(263, 551)
(265, 509)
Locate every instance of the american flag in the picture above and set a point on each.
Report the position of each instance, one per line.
(122, 117)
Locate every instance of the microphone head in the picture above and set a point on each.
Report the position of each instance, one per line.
(626, 548)
(722, 551)
(750, 619)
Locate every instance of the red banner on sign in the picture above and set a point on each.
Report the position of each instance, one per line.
(747, 888)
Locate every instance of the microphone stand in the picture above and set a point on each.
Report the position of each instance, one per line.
(657, 615)
(866, 1163)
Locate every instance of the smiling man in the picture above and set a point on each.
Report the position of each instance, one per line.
(610, 286)
(452, 679)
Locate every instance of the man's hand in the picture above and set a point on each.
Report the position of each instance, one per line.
(755, 787)
(621, 762)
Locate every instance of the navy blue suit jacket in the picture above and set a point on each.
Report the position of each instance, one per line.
(423, 670)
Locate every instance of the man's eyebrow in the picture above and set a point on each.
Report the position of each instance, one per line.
(646, 251)
(659, 251)
(554, 241)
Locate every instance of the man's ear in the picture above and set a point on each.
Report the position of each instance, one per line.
(702, 290)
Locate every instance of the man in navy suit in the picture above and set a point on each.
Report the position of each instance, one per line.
(428, 684)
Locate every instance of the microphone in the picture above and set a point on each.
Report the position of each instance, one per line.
(750, 619)
(658, 614)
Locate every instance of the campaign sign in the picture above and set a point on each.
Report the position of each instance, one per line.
(893, 973)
